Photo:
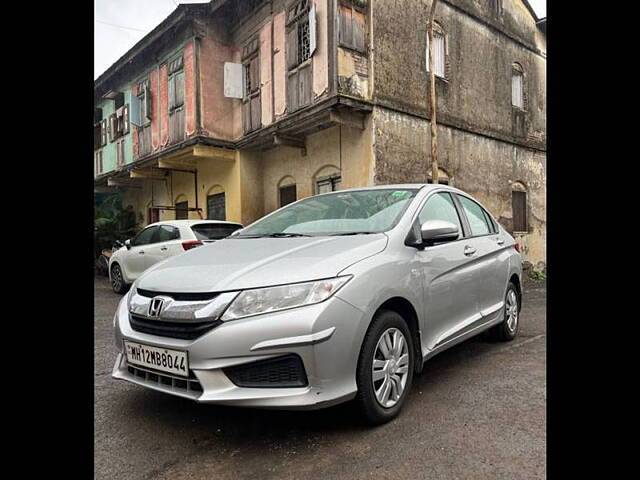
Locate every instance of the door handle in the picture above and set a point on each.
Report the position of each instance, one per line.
(141, 252)
(468, 251)
(165, 248)
(500, 241)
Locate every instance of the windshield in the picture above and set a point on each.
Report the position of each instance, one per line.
(340, 213)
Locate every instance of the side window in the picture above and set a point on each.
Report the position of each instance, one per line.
(477, 217)
(144, 237)
(166, 233)
(440, 207)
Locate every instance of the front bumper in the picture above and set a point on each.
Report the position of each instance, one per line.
(326, 337)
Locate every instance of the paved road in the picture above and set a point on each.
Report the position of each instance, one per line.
(476, 412)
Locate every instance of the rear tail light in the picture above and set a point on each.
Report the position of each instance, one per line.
(191, 244)
(518, 248)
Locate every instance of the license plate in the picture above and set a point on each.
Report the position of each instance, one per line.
(170, 361)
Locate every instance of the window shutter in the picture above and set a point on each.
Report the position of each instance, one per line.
(112, 127)
(233, 81)
(133, 111)
(254, 74)
(358, 31)
(291, 47)
(172, 92)
(103, 132)
(519, 207)
(346, 26)
(516, 89)
(312, 29)
(147, 104)
(438, 54)
(179, 89)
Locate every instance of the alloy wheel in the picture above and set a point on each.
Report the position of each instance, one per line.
(116, 278)
(512, 311)
(390, 367)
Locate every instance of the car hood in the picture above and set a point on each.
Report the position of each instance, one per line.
(236, 263)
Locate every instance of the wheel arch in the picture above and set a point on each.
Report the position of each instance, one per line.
(407, 311)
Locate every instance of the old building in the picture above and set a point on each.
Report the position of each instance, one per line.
(232, 109)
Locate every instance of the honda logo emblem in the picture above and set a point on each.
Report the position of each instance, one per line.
(155, 307)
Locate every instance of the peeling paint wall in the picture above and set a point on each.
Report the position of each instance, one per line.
(481, 166)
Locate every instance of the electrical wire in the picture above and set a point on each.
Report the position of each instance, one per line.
(120, 26)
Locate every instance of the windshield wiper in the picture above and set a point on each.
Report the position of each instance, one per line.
(274, 235)
(351, 233)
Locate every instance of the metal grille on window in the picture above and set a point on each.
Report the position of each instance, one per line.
(304, 45)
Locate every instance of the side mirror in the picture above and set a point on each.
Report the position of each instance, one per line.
(127, 243)
(433, 231)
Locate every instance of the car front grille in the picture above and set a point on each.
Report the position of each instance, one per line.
(179, 296)
(280, 372)
(182, 330)
(167, 382)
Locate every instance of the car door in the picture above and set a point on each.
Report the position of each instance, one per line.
(165, 244)
(450, 299)
(135, 259)
(490, 258)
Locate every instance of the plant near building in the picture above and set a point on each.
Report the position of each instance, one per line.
(112, 222)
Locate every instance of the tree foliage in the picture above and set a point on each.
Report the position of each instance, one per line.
(112, 222)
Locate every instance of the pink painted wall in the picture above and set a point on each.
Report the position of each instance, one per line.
(189, 90)
(279, 68)
(266, 96)
(218, 112)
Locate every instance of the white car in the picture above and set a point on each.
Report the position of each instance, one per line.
(159, 241)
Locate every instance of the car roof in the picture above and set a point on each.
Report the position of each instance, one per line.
(188, 223)
(400, 186)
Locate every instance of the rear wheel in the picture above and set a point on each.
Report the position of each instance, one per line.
(508, 329)
(117, 280)
(385, 368)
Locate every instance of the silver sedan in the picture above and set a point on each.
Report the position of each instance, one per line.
(335, 297)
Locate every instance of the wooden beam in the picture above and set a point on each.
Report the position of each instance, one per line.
(207, 151)
(290, 141)
(123, 182)
(348, 119)
(177, 163)
(147, 173)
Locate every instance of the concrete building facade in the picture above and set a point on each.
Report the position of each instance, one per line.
(234, 109)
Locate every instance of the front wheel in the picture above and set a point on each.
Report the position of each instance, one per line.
(385, 368)
(117, 280)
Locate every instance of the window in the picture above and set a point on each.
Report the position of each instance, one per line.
(216, 207)
(478, 219)
(119, 123)
(300, 46)
(210, 231)
(176, 100)
(439, 51)
(144, 237)
(351, 28)
(120, 153)
(519, 209)
(441, 207)
(153, 214)
(143, 106)
(182, 210)
(496, 5)
(517, 86)
(98, 162)
(166, 233)
(251, 106)
(97, 135)
(330, 184)
(287, 194)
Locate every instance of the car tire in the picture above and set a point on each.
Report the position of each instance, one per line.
(507, 330)
(385, 323)
(117, 280)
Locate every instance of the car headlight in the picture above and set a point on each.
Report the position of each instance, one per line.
(273, 299)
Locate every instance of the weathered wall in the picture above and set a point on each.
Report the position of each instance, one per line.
(481, 166)
(476, 93)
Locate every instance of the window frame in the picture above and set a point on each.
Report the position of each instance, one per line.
(327, 178)
(134, 239)
(156, 236)
(463, 228)
(281, 187)
(350, 44)
(181, 209)
(518, 70)
(526, 212)
(437, 30)
(224, 194)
